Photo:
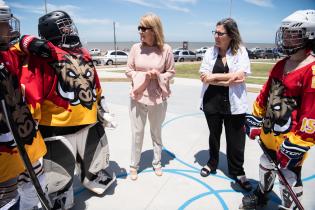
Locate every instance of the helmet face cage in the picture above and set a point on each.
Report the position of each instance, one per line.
(15, 30)
(69, 33)
(66, 28)
(58, 28)
(291, 40)
(12, 35)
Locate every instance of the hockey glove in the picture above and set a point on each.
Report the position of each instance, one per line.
(290, 155)
(35, 46)
(252, 126)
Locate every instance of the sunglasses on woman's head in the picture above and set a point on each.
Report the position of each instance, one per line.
(143, 29)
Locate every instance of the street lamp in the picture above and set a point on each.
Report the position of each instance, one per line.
(45, 6)
(230, 8)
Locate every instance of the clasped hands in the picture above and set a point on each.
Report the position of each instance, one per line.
(152, 74)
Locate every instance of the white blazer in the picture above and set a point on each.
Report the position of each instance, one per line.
(240, 61)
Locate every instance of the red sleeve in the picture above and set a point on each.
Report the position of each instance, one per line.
(304, 132)
(26, 40)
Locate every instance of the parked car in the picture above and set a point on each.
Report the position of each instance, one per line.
(111, 57)
(186, 55)
(200, 53)
(201, 50)
(250, 54)
(258, 54)
(267, 54)
(95, 51)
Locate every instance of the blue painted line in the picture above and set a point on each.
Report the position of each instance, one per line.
(181, 116)
(179, 160)
(221, 200)
(308, 178)
(182, 172)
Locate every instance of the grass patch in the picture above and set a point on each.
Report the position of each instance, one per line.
(260, 69)
(191, 70)
(259, 81)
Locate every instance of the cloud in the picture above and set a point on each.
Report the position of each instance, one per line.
(177, 8)
(143, 3)
(261, 3)
(184, 1)
(28, 8)
(176, 5)
(72, 10)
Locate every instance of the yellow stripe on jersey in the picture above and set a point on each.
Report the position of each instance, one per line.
(53, 115)
(36, 112)
(258, 111)
(313, 82)
(12, 164)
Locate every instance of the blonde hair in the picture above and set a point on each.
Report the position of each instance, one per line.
(153, 21)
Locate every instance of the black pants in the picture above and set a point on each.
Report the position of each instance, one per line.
(235, 141)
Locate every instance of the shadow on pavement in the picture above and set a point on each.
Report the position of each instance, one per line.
(147, 157)
(202, 158)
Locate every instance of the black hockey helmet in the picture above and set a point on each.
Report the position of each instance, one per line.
(58, 28)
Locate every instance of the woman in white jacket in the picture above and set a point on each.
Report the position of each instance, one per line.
(223, 72)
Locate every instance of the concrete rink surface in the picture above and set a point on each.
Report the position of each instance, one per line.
(185, 139)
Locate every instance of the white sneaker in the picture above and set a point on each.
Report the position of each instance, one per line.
(100, 183)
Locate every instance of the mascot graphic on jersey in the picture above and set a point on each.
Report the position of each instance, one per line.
(279, 109)
(76, 82)
(20, 113)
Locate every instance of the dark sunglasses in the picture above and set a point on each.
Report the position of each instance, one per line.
(218, 33)
(143, 29)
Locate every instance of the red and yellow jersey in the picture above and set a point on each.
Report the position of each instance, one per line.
(11, 162)
(62, 90)
(287, 105)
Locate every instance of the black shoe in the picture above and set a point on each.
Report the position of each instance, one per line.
(243, 182)
(253, 200)
(206, 171)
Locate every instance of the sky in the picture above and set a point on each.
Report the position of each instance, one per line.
(183, 20)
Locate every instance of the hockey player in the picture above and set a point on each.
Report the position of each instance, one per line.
(285, 109)
(65, 96)
(16, 188)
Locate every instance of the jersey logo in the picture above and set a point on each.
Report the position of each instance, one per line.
(76, 80)
(279, 109)
(10, 88)
(308, 126)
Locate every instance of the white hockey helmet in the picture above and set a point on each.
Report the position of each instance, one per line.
(296, 31)
(10, 27)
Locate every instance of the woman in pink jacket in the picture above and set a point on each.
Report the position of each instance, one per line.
(150, 67)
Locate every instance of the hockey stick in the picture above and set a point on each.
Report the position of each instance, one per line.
(28, 165)
(280, 175)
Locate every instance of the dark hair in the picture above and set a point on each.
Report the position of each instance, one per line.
(232, 30)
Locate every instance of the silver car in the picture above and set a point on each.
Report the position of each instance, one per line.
(111, 57)
(186, 55)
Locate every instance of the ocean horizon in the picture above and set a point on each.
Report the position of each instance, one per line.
(104, 46)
